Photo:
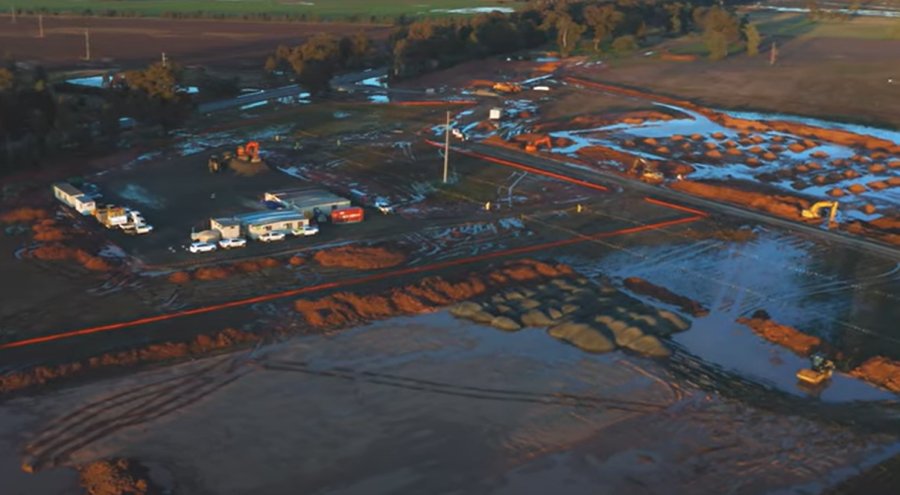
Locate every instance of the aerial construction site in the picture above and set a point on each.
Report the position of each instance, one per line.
(354, 248)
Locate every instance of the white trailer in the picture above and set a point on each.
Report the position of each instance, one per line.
(72, 196)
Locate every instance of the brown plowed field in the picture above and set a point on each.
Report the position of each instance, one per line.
(135, 41)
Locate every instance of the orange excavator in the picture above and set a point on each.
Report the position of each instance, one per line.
(534, 145)
(249, 152)
(506, 87)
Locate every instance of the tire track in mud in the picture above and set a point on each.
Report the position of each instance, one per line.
(100, 418)
(468, 391)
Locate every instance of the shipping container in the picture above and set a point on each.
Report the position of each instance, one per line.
(347, 215)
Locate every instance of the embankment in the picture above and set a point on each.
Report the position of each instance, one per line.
(154, 353)
(663, 294)
(429, 294)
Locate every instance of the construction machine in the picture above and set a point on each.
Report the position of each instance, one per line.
(506, 87)
(249, 152)
(645, 171)
(216, 164)
(534, 145)
(815, 211)
(818, 373)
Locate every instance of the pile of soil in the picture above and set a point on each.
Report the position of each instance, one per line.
(347, 308)
(881, 371)
(777, 204)
(662, 294)
(116, 477)
(59, 252)
(48, 230)
(885, 229)
(222, 272)
(23, 215)
(360, 257)
(785, 336)
(593, 318)
(200, 345)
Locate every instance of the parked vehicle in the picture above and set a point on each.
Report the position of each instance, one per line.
(201, 247)
(306, 230)
(271, 237)
(143, 228)
(384, 207)
(237, 242)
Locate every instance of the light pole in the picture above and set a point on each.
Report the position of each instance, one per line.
(446, 146)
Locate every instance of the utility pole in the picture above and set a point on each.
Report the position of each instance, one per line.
(446, 146)
(165, 61)
(773, 54)
(12, 11)
(40, 25)
(87, 44)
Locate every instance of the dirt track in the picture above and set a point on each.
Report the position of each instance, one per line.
(135, 41)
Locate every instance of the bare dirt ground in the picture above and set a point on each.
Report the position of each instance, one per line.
(136, 41)
(842, 78)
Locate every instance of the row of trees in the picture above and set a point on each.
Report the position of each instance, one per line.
(315, 62)
(37, 121)
(619, 26)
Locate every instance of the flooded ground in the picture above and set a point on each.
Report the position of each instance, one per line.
(427, 404)
(846, 299)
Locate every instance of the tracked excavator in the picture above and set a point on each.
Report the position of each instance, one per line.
(249, 152)
(534, 145)
(815, 211)
(646, 171)
(506, 87)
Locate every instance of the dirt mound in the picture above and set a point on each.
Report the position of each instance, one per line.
(48, 230)
(116, 477)
(583, 336)
(200, 345)
(662, 294)
(23, 215)
(180, 278)
(780, 205)
(360, 257)
(886, 229)
(347, 308)
(59, 252)
(221, 272)
(785, 336)
(881, 371)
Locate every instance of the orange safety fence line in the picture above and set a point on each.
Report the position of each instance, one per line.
(342, 283)
(430, 103)
(676, 207)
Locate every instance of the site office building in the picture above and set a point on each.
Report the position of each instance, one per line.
(72, 196)
(257, 223)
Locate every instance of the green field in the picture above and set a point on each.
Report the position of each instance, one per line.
(321, 8)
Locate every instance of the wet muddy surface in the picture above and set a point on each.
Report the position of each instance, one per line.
(426, 404)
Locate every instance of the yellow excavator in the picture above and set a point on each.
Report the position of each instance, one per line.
(815, 211)
(648, 171)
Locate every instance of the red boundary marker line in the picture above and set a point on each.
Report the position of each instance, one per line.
(342, 283)
(676, 207)
(429, 103)
(527, 168)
